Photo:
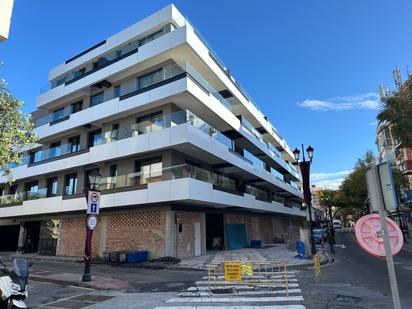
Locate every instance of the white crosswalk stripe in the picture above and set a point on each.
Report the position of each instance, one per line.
(242, 287)
(235, 307)
(229, 295)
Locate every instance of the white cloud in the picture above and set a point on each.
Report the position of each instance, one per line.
(329, 180)
(363, 101)
(373, 123)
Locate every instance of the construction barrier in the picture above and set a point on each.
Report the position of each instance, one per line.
(268, 274)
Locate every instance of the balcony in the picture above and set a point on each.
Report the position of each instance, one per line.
(107, 59)
(18, 197)
(133, 86)
(156, 124)
(140, 181)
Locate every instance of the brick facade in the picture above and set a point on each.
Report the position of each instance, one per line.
(147, 230)
(137, 231)
(186, 238)
(73, 236)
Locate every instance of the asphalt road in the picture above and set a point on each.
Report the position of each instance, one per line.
(357, 279)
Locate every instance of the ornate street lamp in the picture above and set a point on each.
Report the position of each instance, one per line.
(305, 171)
(94, 180)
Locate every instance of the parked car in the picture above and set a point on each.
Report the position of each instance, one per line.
(337, 224)
(320, 236)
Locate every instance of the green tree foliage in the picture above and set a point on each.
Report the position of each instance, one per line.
(353, 191)
(329, 201)
(400, 181)
(398, 112)
(16, 131)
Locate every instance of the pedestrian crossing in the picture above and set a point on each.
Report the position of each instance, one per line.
(229, 295)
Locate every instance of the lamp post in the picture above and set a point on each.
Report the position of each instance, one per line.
(305, 171)
(94, 180)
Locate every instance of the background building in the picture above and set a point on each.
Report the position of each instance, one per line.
(6, 8)
(187, 159)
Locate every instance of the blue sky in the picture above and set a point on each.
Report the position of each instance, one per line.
(312, 66)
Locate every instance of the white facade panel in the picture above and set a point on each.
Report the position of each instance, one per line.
(160, 17)
(185, 189)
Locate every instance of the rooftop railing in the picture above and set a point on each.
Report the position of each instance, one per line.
(108, 58)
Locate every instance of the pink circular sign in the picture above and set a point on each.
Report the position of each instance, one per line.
(369, 237)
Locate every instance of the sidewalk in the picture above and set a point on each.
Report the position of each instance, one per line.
(274, 252)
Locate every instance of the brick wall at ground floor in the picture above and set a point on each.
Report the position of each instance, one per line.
(186, 237)
(157, 231)
(137, 231)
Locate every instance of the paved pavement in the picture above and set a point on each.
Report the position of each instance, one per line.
(274, 252)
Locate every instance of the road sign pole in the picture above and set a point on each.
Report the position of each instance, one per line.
(387, 246)
(389, 262)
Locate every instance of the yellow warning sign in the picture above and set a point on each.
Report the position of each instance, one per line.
(233, 271)
(247, 269)
(316, 264)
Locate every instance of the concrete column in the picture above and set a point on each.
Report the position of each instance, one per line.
(103, 235)
(170, 234)
(22, 236)
(204, 233)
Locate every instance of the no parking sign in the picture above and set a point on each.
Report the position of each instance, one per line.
(93, 202)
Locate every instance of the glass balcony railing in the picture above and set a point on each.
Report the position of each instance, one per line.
(133, 86)
(258, 193)
(19, 197)
(136, 179)
(167, 173)
(163, 122)
(156, 124)
(109, 58)
(47, 154)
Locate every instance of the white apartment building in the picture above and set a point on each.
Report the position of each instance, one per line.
(187, 160)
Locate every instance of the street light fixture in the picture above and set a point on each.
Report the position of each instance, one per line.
(305, 171)
(94, 180)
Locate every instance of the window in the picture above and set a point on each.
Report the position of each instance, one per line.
(58, 114)
(149, 170)
(95, 138)
(113, 176)
(113, 170)
(114, 134)
(70, 184)
(150, 123)
(52, 187)
(150, 79)
(97, 99)
(116, 91)
(31, 189)
(77, 107)
(74, 143)
(86, 175)
(55, 149)
(13, 189)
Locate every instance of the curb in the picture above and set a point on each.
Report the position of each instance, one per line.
(70, 283)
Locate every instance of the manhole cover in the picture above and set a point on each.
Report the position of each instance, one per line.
(223, 291)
